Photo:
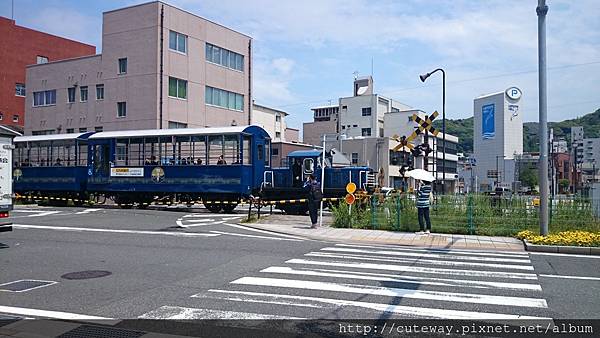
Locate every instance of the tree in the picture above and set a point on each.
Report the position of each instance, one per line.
(528, 178)
(563, 185)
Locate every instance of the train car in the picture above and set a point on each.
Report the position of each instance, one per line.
(6, 190)
(51, 165)
(212, 164)
(287, 183)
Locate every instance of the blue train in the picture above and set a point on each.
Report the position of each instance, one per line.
(136, 167)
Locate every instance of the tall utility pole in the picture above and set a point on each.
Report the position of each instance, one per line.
(542, 10)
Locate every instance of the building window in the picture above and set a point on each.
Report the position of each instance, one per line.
(366, 131)
(98, 129)
(83, 130)
(277, 134)
(15, 118)
(70, 130)
(355, 158)
(224, 57)
(121, 109)
(123, 66)
(380, 132)
(71, 95)
(275, 152)
(41, 59)
(100, 92)
(177, 125)
(177, 42)
(177, 88)
(366, 111)
(83, 93)
(223, 98)
(44, 98)
(20, 89)
(277, 118)
(1, 116)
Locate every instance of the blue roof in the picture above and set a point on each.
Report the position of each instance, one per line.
(305, 153)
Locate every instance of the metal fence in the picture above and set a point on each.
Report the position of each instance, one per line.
(470, 214)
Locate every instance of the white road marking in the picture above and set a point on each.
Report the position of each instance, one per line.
(202, 220)
(429, 255)
(48, 283)
(38, 213)
(450, 251)
(262, 231)
(177, 312)
(202, 224)
(231, 218)
(86, 211)
(247, 300)
(256, 236)
(422, 261)
(137, 232)
(571, 277)
(564, 255)
(416, 269)
(404, 279)
(48, 314)
(393, 292)
(415, 312)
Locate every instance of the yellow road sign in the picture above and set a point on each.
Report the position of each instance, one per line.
(350, 188)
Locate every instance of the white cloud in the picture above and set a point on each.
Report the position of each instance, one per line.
(272, 79)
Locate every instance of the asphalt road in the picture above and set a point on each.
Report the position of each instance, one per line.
(182, 264)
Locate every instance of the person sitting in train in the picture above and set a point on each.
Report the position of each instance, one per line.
(199, 161)
(153, 160)
(58, 162)
(183, 161)
(42, 162)
(221, 160)
(25, 163)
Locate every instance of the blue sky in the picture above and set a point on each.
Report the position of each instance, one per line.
(307, 51)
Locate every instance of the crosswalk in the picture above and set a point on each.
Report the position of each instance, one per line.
(377, 281)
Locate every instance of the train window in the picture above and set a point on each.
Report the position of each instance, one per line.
(82, 155)
(267, 153)
(183, 150)
(259, 152)
(199, 150)
(45, 154)
(167, 154)
(121, 152)
(247, 150)
(308, 166)
(231, 149)
(20, 155)
(151, 151)
(136, 151)
(215, 149)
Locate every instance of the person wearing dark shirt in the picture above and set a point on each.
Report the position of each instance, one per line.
(314, 198)
(423, 203)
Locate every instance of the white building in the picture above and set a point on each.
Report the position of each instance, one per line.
(363, 114)
(271, 120)
(497, 136)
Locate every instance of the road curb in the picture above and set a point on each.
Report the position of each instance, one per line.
(363, 242)
(579, 250)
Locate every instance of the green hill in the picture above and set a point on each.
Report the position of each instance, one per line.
(463, 128)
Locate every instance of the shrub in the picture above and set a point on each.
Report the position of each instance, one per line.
(571, 238)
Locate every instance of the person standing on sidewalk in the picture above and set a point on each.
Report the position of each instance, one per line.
(314, 198)
(424, 197)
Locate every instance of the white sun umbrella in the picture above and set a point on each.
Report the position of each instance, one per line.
(420, 174)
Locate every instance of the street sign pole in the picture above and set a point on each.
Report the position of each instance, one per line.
(541, 11)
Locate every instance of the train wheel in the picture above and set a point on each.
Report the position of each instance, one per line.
(123, 202)
(228, 208)
(214, 208)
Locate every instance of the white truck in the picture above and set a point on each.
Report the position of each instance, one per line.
(6, 168)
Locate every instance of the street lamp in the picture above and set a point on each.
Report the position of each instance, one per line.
(423, 78)
(498, 176)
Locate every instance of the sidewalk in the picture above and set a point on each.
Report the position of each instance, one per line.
(300, 226)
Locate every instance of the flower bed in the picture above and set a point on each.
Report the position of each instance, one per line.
(571, 238)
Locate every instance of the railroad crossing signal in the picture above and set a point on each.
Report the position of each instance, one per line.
(424, 126)
(350, 189)
(427, 124)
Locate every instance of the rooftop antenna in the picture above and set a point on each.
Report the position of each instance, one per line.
(12, 11)
(371, 66)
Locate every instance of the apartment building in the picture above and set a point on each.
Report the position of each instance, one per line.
(160, 67)
(325, 121)
(272, 120)
(22, 46)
